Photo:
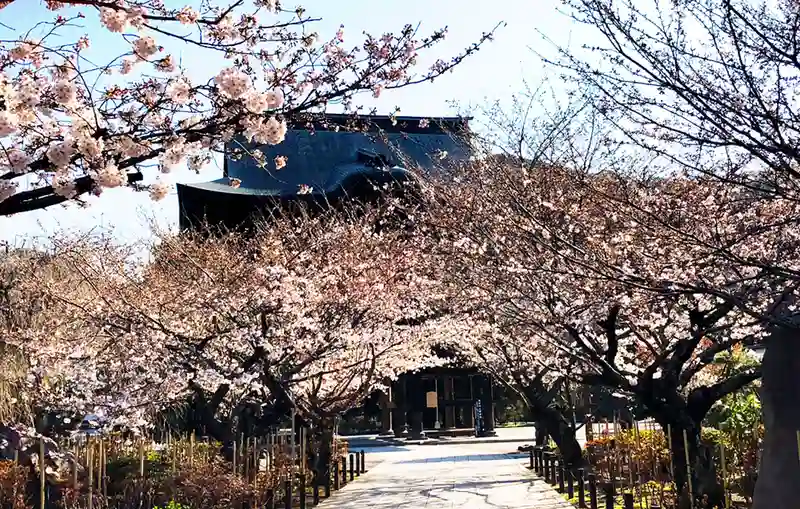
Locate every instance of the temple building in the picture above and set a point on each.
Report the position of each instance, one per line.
(330, 160)
(444, 401)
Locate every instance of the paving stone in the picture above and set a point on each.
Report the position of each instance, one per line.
(475, 476)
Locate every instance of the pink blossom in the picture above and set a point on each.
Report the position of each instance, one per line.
(111, 176)
(64, 92)
(18, 160)
(23, 51)
(7, 189)
(60, 153)
(89, 147)
(270, 5)
(187, 15)
(179, 91)
(233, 83)
(9, 123)
(136, 17)
(64, 186)
(127, 65)
(159, 190)
(145, 47)
(115, 20)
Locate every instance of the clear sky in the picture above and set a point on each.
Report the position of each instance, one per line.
(494, 73)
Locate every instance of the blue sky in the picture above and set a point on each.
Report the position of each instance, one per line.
(494, 73)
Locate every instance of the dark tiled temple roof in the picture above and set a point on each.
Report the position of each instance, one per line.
(330, 154)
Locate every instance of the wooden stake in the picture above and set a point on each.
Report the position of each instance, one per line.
(234, 457)
(141, 458)
(89, 463)
(688, 468)
(42, 473)
(174, 453)
(669, 448)
(256, 463)
(191, 450)
(798, 444)
(724, 476)
(74, 466)
(246, 457)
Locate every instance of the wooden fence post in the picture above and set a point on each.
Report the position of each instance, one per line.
(570, 484)
(335, 475)
(608, 488)
(592, 492)
(627, 500)
(287, 494)
(352, 467)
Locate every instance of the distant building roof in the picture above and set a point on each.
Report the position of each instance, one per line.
(330, 154)
(374, 123)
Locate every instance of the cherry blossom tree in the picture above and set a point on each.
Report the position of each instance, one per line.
(77, 126)
(709, 87)
(561, 262)
(309, 315)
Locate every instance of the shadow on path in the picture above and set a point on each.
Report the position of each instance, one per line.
(467, 458)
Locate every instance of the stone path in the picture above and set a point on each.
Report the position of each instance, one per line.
(478, 476)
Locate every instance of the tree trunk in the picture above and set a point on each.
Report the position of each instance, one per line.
(541, 433)
(322, 458)
(700, 464)
(563, 434)
(779, 471)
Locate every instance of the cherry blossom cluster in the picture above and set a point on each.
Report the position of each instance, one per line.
(82, 128)
(602, 273)
(323, 313)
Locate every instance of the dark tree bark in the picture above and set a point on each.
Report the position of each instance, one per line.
(563, 434)
(541, 433)
(779, 472)
(700, 465)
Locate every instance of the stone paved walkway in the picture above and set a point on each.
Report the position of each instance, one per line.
(479, 476)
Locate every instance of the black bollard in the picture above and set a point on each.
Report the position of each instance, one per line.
(302, 488)
(592, 492)
(570, 485)
(581, 492)
(562, 472)
(358, 465)
(327, 482)
(627, 501)
(352, 468)
(344, 470)
(287, 494)
(537, 456)
(530, 454)
(363, 465)
(270, 499)
(315, 494)
(608, 489)
(335, 476)
(553, 468)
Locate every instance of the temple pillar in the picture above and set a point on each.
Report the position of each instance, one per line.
(401, 406)
(488, 413)
(449, 409)
(387, 409)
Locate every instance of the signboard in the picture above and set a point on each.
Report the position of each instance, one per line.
(478, 419)
(431, 400)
